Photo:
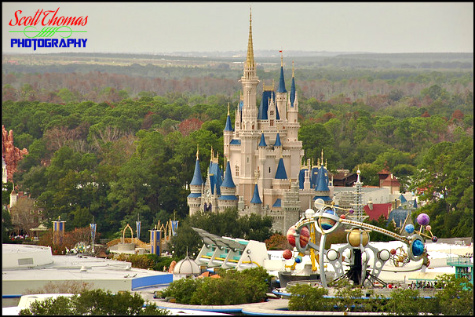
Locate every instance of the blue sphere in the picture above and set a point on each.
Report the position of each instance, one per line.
(298, 259)
(409, 228)
(417, 247)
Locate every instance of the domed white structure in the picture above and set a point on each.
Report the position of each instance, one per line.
(185, 268)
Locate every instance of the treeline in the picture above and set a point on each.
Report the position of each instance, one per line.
(115, 161)
(113, 146)
(377, 89)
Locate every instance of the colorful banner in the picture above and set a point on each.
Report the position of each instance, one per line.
(138, 224)
(93, 231)
(174, 226)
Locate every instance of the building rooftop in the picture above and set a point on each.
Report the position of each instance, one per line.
(32, 267)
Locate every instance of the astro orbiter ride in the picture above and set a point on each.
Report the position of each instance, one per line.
(328, 218)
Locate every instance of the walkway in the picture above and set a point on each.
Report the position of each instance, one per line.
(272, 307)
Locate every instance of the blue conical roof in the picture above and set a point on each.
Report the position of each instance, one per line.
(197, 179)
(264, 106)
(281, 81)
(281, 173)
(292, 92)
(322, 180)
(228, 177)
(228, 126)
(215, 177)
(256, 199)
(415, 204)
(302, 178)
(277, 140)
(402, 199)
(263, 141)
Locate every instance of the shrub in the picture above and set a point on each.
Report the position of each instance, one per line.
(94, 302)
(218, 291)
(182, 290)
(234, 287)
(305, 297)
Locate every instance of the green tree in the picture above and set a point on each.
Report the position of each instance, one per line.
(456, 297)
(315, 137)
(7, 225)
(403, 302)
(349, 297)
(233, 287)
(304, 297)
(95, 302)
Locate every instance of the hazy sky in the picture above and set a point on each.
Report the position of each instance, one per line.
(165, 27)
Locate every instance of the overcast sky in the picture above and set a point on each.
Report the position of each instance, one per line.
(165, 27)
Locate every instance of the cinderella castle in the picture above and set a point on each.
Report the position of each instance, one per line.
(264, 172)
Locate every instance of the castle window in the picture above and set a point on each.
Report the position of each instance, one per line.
(237, 170)
(272, 112)
(269, 170)
(271, 123)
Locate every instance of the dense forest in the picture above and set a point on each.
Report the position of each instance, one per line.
(114, 142)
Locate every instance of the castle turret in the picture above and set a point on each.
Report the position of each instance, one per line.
(196, 188)
(293, 145)
(280, 180)
(256, 202)
(227, 135)
(228, 198)
(321, 187)
(262, 149)
(293, 104)
(278, 146)
(281, 94)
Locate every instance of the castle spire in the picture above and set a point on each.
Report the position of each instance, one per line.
(250, 50)
(197, 178)
(197, 151)
(281, 80)
(292, 87)
(228, 122)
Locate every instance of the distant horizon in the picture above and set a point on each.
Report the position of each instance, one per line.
(170, 27)
(277, 54)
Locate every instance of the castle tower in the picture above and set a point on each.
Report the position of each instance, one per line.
(321, 187)
(256, 202)
(228, 198)
(212, 187)
(248, 134)
(227, 135)
(281, 94)
(196, 188)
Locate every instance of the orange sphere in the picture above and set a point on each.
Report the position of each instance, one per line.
(287, 254)
(304, 236)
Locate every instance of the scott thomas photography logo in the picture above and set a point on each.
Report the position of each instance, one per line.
(47, 28)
